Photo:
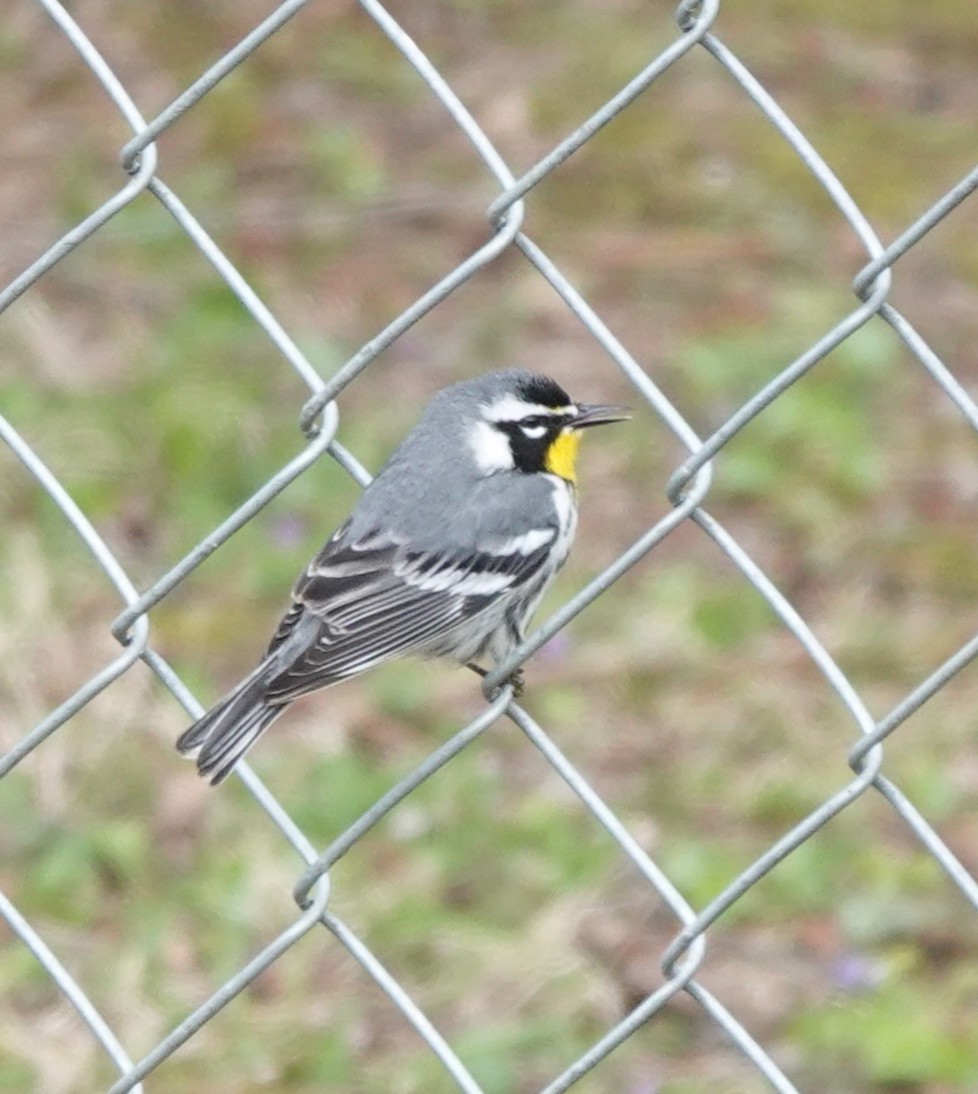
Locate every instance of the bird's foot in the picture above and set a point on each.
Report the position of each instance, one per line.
(515, 680)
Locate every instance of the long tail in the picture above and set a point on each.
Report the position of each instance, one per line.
(225, 733)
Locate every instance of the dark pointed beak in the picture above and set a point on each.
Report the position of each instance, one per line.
(599, 415)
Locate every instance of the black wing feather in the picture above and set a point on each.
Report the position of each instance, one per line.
(371, 604)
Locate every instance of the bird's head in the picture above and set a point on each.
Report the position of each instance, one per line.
(526, 422)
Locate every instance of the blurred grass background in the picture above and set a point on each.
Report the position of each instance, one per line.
(335, 182)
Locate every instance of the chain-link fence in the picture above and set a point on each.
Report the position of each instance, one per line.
(699, 34)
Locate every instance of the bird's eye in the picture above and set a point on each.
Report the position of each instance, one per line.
(533, 428)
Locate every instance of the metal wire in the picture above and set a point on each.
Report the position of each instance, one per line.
(688, 491)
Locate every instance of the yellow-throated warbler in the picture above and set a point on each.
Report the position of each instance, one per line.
(446, 553)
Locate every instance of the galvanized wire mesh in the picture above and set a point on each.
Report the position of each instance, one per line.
(688, 493)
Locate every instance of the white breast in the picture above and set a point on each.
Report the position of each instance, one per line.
(565, 503)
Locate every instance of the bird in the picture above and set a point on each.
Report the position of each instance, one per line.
(446, 553)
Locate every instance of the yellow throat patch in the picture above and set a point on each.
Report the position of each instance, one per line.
(561, 458)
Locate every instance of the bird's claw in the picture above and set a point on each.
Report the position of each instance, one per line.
(515, 680)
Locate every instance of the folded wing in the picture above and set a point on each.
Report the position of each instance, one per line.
(366, 601)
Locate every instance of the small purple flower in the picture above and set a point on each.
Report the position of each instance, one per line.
(646, 1084)
(855, 972)
(557, 649)
(288, 531)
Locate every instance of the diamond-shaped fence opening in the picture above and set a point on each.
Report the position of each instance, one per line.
(715, 846)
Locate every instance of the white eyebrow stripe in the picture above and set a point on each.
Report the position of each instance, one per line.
(508, 408)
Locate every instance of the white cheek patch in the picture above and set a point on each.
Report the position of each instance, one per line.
(490, 448)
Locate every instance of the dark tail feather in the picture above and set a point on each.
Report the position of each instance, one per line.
(225, 733)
